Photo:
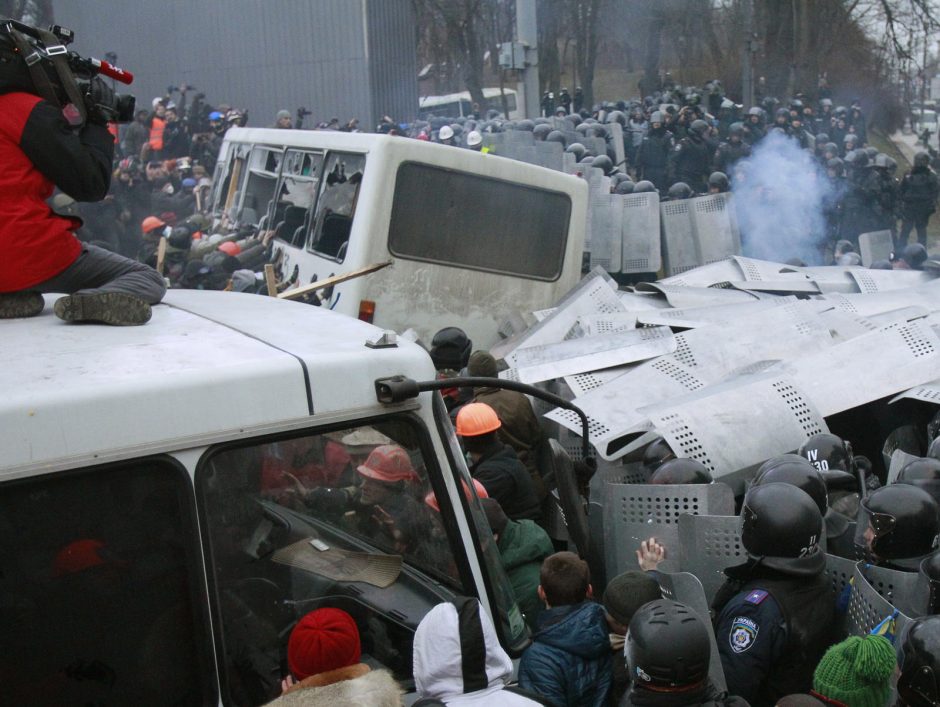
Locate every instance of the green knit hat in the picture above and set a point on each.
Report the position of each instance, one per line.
(857, 672)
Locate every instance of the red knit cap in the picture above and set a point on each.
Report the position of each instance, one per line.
(323, 640)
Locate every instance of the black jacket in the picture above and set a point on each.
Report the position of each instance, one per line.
(707, 695)
(507, 480)
(772, 629)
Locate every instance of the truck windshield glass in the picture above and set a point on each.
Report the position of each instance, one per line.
(476, 222)
(296, 195)
(345, 518)
(100, 580)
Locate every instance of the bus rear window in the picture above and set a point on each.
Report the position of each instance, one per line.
(475, 222)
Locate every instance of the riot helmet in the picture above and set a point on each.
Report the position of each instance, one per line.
(827, 452)
(525, 125)
(576, 149)
(736, 129)
(680, 190)
(857, 158)
(781, 113)
(541, 131)
(645, 186)
(450, 349)
(831, 148)
(656, 453)
(921, 159)
(681, 471)
(698, 127)
(555, 136)
(604, 163)
(914, 254)
(872, 152)
(667, 647)
(919, 662)
(821, 140)
(923, 473)
(625, 187)
(719, 181)
(781, 527)
(656, 117)
(927, 587)
(616, 116)
(797, 471)
(755, 112)
(837, 166)
(897, 522)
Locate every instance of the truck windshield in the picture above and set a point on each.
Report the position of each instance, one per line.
(346, 518)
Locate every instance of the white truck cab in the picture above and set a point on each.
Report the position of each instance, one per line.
(174, 497)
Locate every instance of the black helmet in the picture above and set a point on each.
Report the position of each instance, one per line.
(699, 127)
(526, 125)
(919, 681)
(555, 136)
(616, 116)
(755, 111)
(827, 452)
(897, 522)
(923, 473)
(450, 349)
(927, 588)
(577, 149)
(836, 165)
(625, 187)
(781, 527)
(736, 130)
(667, 646)
(821, 140)
(921, 159)
(794, 470)
(656, 453)
(831, 147)
(680, 190)
(656, 117)
(782, 113)
(644, 186)
(681, 471)
(541, 131)
(872, 152)
(857, 158)
(604, 163)
(719, 181)
(914, 254)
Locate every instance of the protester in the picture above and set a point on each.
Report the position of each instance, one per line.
(624, 595)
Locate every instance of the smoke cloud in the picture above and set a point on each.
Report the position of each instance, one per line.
(779, 195)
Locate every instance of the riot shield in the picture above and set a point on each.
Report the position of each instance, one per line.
(680, 252)
(707, 545)
(715, 227)
(639, 234)
(876, 245)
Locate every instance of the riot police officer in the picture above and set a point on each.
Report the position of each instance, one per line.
(919, 661)
(754, 129)
(897, 526)
(652, 158)
(690, 161)
(918, 199)
(775, 612)
(681, 471)
(733, 150)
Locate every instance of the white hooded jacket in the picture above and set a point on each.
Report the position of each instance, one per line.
(458, 659)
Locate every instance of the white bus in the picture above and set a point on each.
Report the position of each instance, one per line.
(472, 237)
(452, 105)
(165, 514)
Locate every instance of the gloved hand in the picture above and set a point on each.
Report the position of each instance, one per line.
(100, 102)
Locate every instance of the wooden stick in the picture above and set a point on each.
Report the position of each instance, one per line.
(161, 254)
(334, 280)
(270, 279)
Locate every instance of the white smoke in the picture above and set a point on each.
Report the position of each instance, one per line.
(779, 193)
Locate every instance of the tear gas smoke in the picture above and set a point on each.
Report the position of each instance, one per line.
(779, 195)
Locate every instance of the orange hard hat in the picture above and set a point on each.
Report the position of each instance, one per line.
(431, 498)
(476, 419)
(150, 223)
(388, 463)
(230, 248)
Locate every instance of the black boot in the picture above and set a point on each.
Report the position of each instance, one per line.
(114, 308)
(14, 305)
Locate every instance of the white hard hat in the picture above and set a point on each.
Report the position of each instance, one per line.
(446, 133)
(474, 138)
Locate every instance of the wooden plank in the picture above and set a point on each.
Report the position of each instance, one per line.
(161, 254)
(334, 280)
(270, 279)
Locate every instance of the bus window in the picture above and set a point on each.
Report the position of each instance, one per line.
(455, 218)
(336, 206)
(228, 180)
(296, 195)
(100, 588)
(263, 167)
(339, 518)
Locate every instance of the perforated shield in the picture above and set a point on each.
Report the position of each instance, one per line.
(715, 227)
(680, 252)
(757, 270)
(692, 317)
(685, 588)
(636, 512)
(606, 218)
(707, 545)
(540, 363)
(640, 238)
(885, 280)
(889, 360)
(706, 275)
(615, 131)
(696, 296)
(868, 608)
(550, 155)
(876, 245)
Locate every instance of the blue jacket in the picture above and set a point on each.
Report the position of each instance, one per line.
(569, 661)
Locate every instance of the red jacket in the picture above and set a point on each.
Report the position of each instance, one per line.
(39, 151)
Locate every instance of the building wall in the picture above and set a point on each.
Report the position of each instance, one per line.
(339, 58)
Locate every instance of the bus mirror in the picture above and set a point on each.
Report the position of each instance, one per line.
(395, 389)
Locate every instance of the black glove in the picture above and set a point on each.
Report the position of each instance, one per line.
(100, 102)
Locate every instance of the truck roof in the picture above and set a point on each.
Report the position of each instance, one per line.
(208, 363)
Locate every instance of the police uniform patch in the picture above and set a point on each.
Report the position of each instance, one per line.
(756, 597)
(743, 634)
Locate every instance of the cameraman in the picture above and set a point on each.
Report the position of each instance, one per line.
(40, 150)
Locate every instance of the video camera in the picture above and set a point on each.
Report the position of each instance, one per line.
(37, 61)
